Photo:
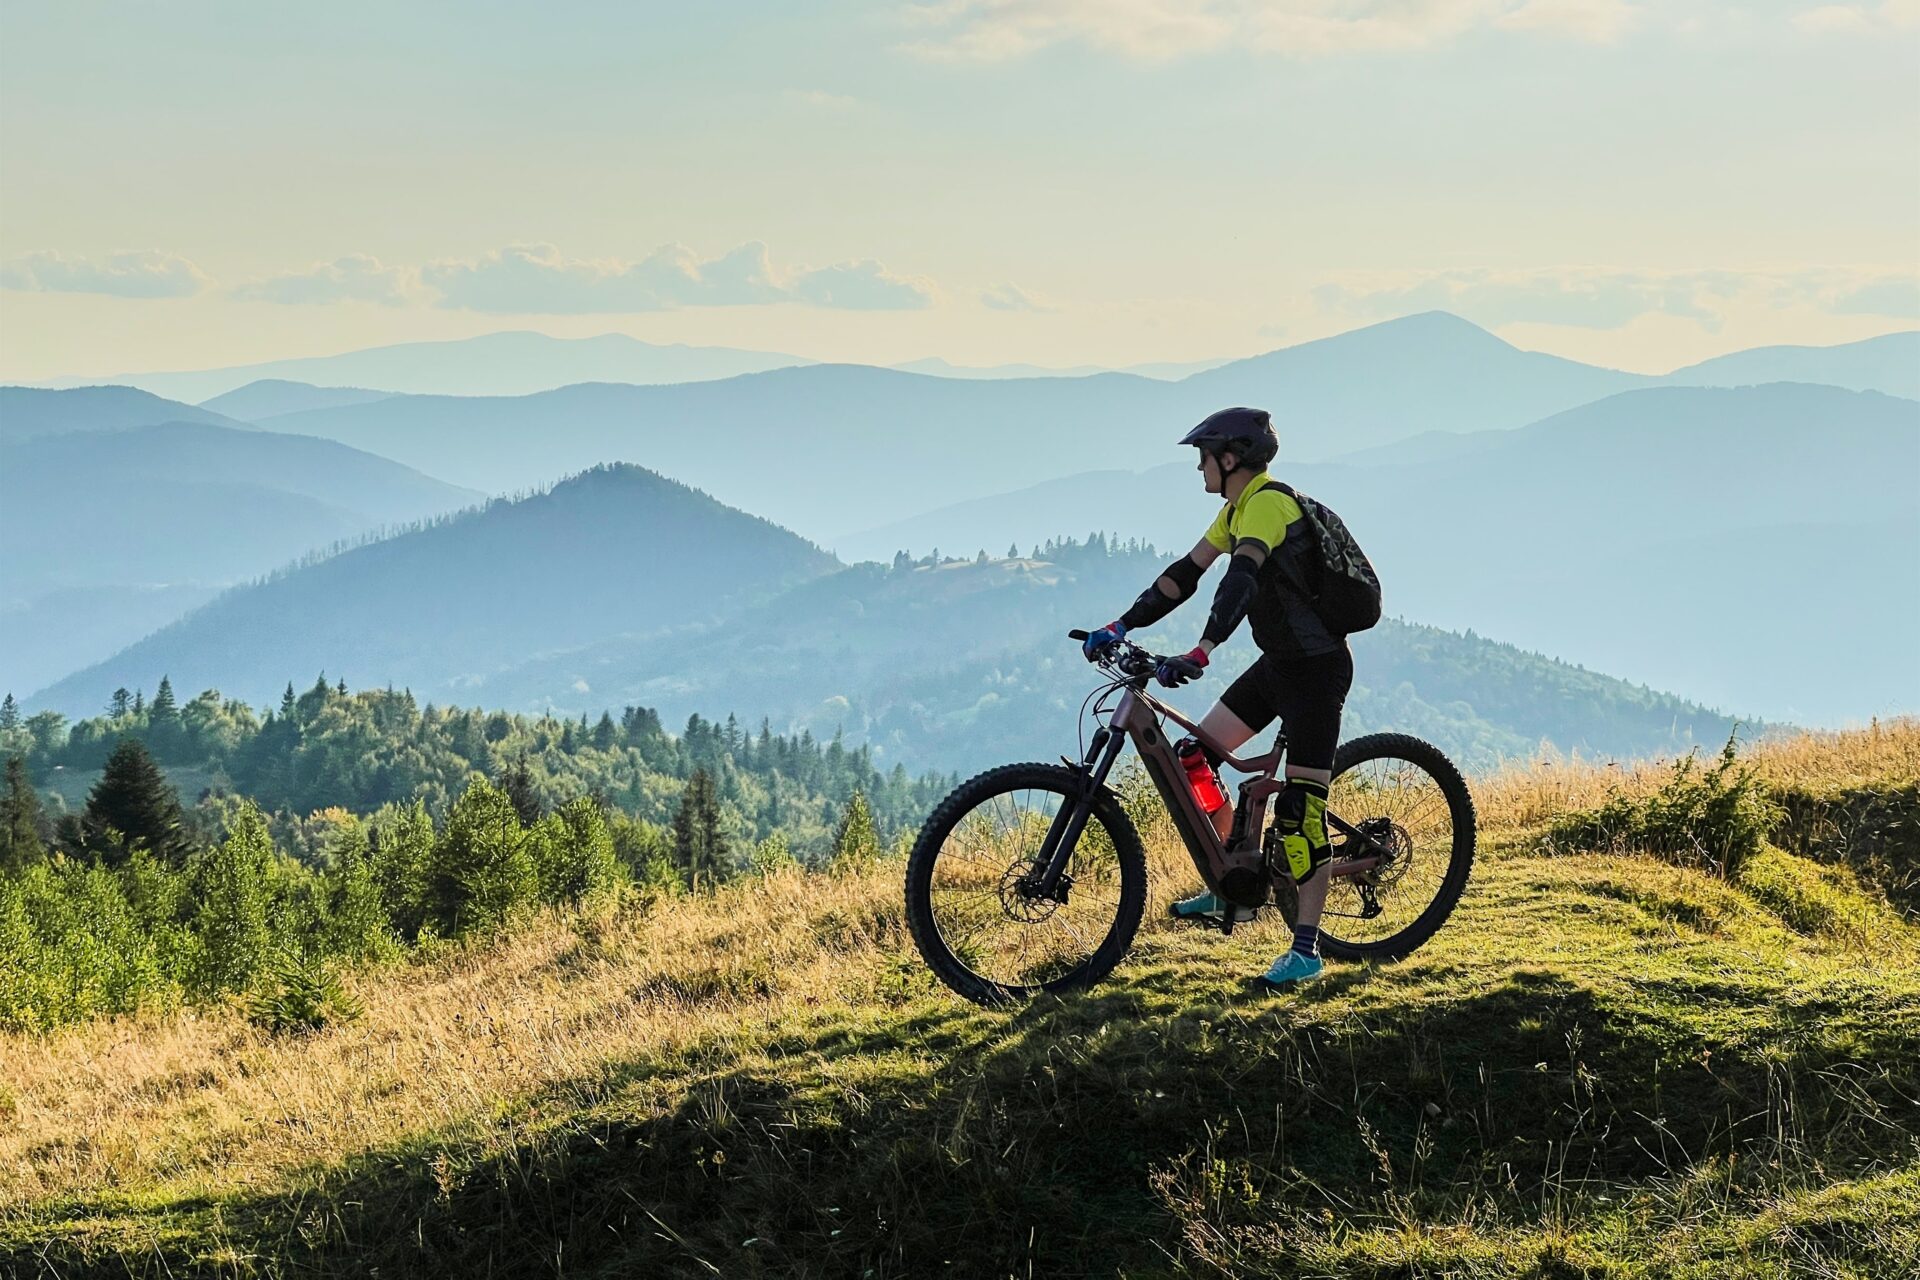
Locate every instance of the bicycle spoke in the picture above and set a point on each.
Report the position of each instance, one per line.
(987, 921)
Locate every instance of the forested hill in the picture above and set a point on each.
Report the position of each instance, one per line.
(613, 551)
(328, 748)
(963, 663)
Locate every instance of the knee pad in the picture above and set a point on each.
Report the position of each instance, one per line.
(1300, 829)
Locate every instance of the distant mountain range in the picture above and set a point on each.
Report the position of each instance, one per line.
(270, 397)
(620, 586)
(28, 413)
(1890, 363)
(108, 534)
(1165, 370)
(797, 444)
(522, 363)
(1564, 484)
(442, 608)
(494, 364)
(1702, 516)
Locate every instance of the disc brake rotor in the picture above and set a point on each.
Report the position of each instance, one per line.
(1017, 899)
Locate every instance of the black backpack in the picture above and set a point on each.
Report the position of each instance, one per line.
(1341, 582)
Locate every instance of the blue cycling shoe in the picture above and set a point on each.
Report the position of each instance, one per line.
(1288, 970)
(1203, 909)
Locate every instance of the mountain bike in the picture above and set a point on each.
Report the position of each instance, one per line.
(1031, 878)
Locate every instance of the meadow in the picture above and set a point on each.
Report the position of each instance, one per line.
(1672, 1030)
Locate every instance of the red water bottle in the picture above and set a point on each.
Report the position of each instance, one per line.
(1200, 776)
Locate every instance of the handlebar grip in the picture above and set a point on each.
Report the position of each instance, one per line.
(1078, 635)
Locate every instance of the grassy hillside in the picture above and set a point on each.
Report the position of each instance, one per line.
(1606, 1064)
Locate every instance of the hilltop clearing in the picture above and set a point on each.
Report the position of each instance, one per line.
(1608, 1063)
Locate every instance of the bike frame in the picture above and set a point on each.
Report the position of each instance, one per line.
(1137, 718)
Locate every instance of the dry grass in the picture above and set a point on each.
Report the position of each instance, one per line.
(124, 1103)
(1523, 798)
(477, 1052)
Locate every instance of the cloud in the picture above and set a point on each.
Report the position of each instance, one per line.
(539, 279)
(861, 286)
(354, 278)
(1157, 30)
(142, 274)
(995, 30)
(1859, 19)
(1611, 298)
(822, 99)
(1595, 21)
(1889, 296)
(1007, 297)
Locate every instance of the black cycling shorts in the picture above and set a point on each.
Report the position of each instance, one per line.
(1307, 695)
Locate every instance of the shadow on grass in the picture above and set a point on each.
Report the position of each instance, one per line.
(1075, 1137)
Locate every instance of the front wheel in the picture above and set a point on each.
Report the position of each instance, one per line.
(1405, 795)
(971, 900)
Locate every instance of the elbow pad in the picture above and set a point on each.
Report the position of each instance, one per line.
(1154, 604)
(1231, 601)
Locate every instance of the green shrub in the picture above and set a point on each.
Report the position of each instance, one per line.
(772, 856)
(575, 854)
(302, 993)
(232, 885)
(856, 846)
(483, 871)
(1713, 818)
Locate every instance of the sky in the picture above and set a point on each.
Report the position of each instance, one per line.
(1062, 182)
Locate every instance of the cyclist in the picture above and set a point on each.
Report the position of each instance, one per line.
(1304, 670)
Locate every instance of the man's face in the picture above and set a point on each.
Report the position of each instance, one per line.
(1210, 470)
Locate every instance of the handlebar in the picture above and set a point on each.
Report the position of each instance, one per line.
(1124, 656)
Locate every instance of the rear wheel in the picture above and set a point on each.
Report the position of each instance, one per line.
(972, 903)
(1405, 795)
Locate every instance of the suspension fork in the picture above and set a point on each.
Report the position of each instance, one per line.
(1064, 832)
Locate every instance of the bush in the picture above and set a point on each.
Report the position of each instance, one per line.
(772, 856)
(483, 871)
(232, 883)
(302, 993)
(1714, 818)
(577, 864)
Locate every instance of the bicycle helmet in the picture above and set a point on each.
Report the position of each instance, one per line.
(1245, 433)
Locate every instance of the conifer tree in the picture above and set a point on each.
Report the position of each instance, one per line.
(20, 845)
(163, 721)
(232, 885)
(855, 843)
(9, 714)
(1013, 551)
(139, 702)
(134, 800)
(288, 702)
(164, 709)
(605, 732)
(517, 781)
(700, 846)
(121, 702)
(483, 868)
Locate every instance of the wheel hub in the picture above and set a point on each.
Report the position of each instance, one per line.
(1396, 844)
(1020, 893)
